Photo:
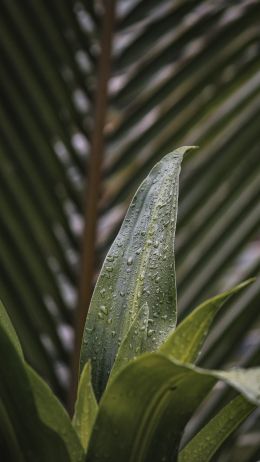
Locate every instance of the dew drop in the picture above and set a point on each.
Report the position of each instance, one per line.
(130, 261)
(103, 309)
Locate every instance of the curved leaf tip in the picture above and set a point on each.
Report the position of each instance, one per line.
(185, 150)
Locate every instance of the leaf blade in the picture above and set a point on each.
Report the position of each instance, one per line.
(185, 343)
(132, 272)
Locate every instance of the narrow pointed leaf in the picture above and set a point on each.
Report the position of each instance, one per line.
(139, 268)
(86, 407)
(135, 340)
(186, 341)
(144, 411)
(204, 445)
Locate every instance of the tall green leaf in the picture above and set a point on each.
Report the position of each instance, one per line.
(138, 269)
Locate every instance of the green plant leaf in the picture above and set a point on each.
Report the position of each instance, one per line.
(134, 342)
(185, 343)
(139, 268)
(86, 407)
(35, 439)
(49, 409)
(7, 325)
(204, 445)
(144, 411)
(54, 415)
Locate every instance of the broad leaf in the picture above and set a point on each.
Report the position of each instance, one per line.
(139, 268)
(146, 407)
(204, 445)
(86, 407)
(185, 343)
